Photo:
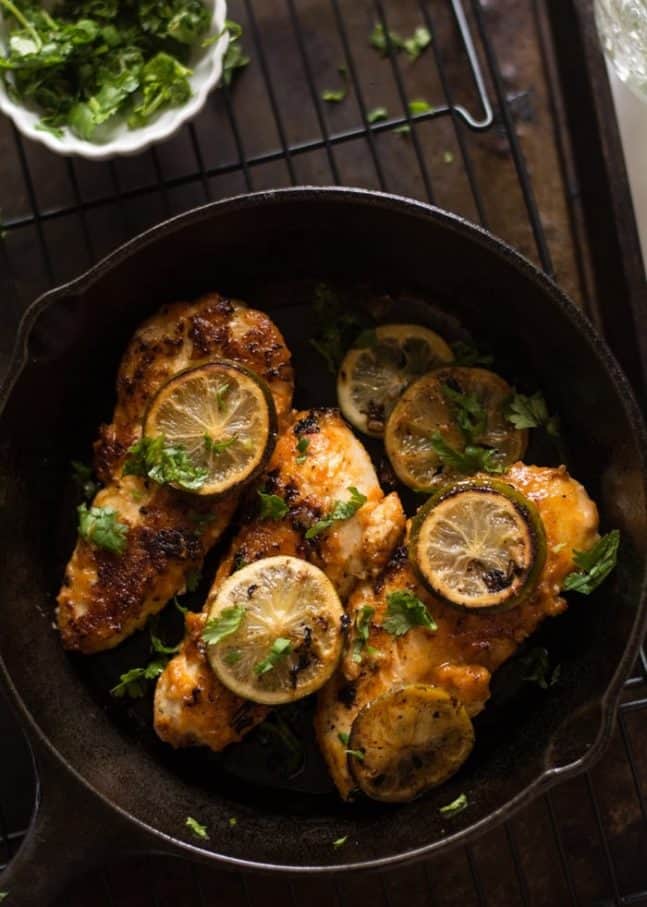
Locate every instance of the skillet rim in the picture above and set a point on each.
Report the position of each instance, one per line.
(508, 256)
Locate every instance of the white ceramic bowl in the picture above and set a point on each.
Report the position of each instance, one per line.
(206, 63)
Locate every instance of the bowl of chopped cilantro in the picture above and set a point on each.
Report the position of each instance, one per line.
(100, 78)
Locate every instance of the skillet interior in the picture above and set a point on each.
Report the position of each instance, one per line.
(268, 250)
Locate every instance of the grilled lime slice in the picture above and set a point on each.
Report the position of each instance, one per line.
(221, 417)
(479, 545)
(464, 410)
(372, 377)
(274, 633)
(410, 739)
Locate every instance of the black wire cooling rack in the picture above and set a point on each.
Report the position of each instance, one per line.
(495, 146)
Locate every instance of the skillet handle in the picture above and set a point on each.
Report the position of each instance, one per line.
(71, 832)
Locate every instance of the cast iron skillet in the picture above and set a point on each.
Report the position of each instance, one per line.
(106, 785)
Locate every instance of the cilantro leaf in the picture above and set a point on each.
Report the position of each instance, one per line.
(198, 830)
(344, 737)
(419, 106)
(405, 610)
(362, 630)
(83, 476)
(342, 510)
(302, 449)
(100, 527)
(161, 649)
(470, 460)
(357, 754)
(335, 96)
(467, 354)
(456, 806)
(273, 507)
(337, 326)
(531, 412)
(339, 842)
(227, 623)
(182, 20)
(165, 464)
(163, 82)
(235, 57)
(417, 43)
(469, 413)
(383, 40)
(377, 114)
(217, 447)
(594, 565)
(280, 649)
(538, 668)
(133, 683)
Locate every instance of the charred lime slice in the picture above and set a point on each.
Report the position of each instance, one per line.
(372, 377)
(452, 409)
(479, 545)
(408, 740)
(274, 632)
(221, 418)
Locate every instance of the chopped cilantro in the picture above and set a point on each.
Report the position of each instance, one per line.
(377, 114)
(273, 507)
(164, 463)
(448, 157)
(405, 129)
(83, 476)
(385, 40)
(233, 821)
(363, 629)
(337, 326)
(340, 841)
(220, 627)
(538, 668)
(467, 354)
(100, 527)
(405, 610)
(302, 449)
(344, 737)
(419, 106)
(280, 649)
(235, 58)
(593, 566)
(200, 831)
(472, 459)
(133, 683)
(342, 510)
(88, 65)
(357, 754)
(217, 447)
(336, 96)
(456, 806)
(468, 411)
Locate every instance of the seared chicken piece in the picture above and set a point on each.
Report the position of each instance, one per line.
(191, 705)
(105, 597)
(461, 655)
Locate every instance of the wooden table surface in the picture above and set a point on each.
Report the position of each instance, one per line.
(586, 841)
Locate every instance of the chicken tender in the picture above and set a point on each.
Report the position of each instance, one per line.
(105, 596)
(461, 655)
(191, 706)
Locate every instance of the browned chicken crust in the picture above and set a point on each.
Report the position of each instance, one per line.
(461, 655)
(105, 597)
(191, 707)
